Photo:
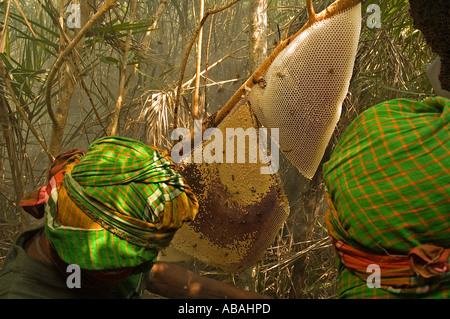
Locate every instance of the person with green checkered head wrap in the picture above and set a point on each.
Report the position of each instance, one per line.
(388, 186)
(108, 212)
(133, 197)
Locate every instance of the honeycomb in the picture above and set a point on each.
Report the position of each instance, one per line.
(241, 210)
(306, 85)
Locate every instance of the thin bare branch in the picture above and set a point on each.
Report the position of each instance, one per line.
(188, 50)
(64, 54)
(5, 28)
(4, 75)
(112, 128)
(24, 17)
(196, 97)
(205, 106)
(311, 12)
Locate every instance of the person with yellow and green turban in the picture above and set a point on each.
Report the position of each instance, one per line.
(108, 212)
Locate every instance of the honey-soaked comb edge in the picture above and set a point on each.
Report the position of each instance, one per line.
(232, 231)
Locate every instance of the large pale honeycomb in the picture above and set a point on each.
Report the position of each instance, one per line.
(306, 85)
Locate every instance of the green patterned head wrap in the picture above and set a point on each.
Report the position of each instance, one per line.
(117, 205)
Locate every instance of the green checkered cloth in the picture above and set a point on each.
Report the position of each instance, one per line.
(128, 188)
(389, 182)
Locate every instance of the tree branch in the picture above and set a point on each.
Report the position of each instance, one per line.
(64, 54)
(112, 127)
(4, 75)
(195, 100)
(188, 50)
(311, 12)
(11, 148)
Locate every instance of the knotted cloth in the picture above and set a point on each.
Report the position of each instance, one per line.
(388, 182)
(115, 206)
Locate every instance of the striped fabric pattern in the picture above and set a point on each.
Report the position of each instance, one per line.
(115, 206)
(389, 183)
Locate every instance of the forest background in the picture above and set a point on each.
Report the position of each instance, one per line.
(123, 78)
